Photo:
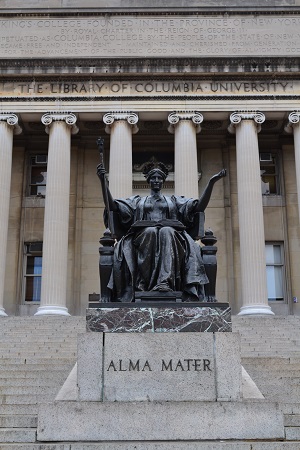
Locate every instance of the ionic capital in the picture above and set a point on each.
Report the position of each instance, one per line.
(69, 118)
(130, 117)
(195, 116)
(237, 116)
(12, 121)
(294, 119)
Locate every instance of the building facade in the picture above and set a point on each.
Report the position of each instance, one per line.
(194, 84)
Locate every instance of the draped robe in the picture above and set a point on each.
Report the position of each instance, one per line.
(157, 257)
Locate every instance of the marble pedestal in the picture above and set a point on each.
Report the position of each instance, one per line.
(143, 379)
(158, 317)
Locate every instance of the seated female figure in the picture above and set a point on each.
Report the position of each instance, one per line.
(157, 253)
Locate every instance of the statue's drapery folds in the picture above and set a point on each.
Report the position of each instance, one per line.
(157, 254)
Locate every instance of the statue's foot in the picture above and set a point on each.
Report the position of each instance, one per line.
(162, 287)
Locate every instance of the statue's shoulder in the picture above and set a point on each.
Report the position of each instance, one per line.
(180, 199)
(134, 200)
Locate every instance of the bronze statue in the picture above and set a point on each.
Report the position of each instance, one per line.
(156, 252)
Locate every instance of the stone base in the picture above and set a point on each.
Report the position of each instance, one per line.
(158, 421)
(50, 310)
(256, 310)
(158, 387)
(2, 312)
(155, 317)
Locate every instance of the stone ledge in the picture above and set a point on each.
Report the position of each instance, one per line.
(164, 421)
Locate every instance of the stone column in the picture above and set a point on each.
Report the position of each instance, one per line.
(294, 127)
(8, 127)
(246, 125)
(121, 126)
(185, 126)
(60, 126)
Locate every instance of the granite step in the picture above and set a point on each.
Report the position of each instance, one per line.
(17, 435)
(8, 409)
(35, 360)
(191, 445)
(25, 371)
(292, 433)
(18, 421)
(292, 420)
(27, 390)
(28, 356)
(26, 399)
(48, 381)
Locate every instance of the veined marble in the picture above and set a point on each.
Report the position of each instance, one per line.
(170, 318)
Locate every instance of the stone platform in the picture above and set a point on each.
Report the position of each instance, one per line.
(159, 421)
(159, 373)
(157, 317)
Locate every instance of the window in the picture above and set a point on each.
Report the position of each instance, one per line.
(274, 263)
(269, 173)
(38, 175)
(33, 275)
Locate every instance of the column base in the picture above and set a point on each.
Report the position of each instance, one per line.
(2, 313)
(256, 310)
(52, 310)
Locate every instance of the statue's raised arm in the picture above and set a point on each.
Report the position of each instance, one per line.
(205, 197)
(107, 196)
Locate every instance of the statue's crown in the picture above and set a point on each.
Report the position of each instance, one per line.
(154, 166)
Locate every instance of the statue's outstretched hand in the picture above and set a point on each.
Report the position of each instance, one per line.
(219, 175)
(101, 172)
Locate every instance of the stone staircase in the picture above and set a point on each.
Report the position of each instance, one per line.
(37, 354)
(270, 348)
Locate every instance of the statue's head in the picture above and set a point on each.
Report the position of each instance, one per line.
(155, 168)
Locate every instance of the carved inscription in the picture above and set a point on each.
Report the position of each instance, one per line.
(145, 88)
(168, 365)
(150, 36)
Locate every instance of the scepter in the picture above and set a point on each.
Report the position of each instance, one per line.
(100, 145)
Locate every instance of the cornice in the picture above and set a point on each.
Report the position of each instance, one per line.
(161, 8)
(212, 98)
(149, 67)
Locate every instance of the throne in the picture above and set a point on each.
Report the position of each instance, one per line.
(117, 231)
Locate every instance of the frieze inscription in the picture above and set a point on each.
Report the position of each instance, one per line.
(150, 36)
(100, 88)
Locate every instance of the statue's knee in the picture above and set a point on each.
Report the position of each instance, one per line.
(150, 231)
(167, 231)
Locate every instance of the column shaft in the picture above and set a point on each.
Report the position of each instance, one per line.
(186, 166)
(121, 126)
(251, 225)
(296, 128)
(185, 125)
(6, 143)
(120, 161)
(56, 222)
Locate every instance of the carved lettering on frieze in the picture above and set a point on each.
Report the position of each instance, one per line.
(150, 36)
(174, 88)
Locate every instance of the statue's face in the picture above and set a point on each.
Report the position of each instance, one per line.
(156, 181)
